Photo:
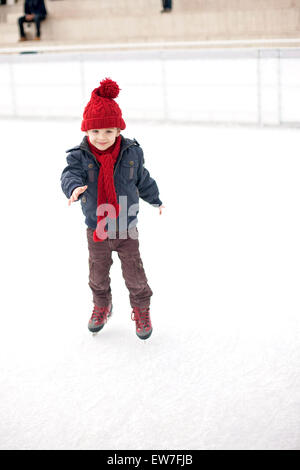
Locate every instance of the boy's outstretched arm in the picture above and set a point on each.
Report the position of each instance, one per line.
(148, 189)
(73, 176)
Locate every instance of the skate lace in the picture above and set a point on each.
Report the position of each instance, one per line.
(142, 317)
(100, 314)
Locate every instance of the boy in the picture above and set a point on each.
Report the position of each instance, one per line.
(105, 168)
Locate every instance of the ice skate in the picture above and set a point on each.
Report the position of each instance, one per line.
(142, 319)
(99, 317)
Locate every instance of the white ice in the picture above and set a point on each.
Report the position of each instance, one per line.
(221, 370)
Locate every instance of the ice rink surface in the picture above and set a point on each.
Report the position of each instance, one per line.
(221, 370)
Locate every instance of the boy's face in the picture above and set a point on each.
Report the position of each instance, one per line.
(103, 138)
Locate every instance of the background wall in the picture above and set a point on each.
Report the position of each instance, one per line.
(116, 21)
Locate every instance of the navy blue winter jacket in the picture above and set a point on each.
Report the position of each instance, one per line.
(131, 179)
(35, 6)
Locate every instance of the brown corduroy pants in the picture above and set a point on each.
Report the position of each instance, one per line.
(100, 261)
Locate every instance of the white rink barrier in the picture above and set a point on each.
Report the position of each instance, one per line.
(252, 86)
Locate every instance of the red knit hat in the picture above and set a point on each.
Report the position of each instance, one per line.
(102, 111)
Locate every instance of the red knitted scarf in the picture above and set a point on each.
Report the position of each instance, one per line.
(106, 188)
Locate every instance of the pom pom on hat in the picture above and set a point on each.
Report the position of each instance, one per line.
(108, 88)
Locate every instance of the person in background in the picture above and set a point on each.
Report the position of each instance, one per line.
(167, 6)
(35, 11)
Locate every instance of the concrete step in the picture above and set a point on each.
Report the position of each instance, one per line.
(237, 5)
(137, 20)
(141, 6)
(88, 8)
(136, 6)
(91, 8)
(229, 24)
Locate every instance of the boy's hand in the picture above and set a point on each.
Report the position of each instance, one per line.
(160, 209)
(76, 193)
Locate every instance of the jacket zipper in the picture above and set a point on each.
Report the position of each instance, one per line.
(117, 219)
(121, 154)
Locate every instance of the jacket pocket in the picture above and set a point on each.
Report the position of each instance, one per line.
(141, 279)
(91, 176)
(129, 169)
(83, 201)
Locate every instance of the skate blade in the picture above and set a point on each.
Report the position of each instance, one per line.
(146, 336)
